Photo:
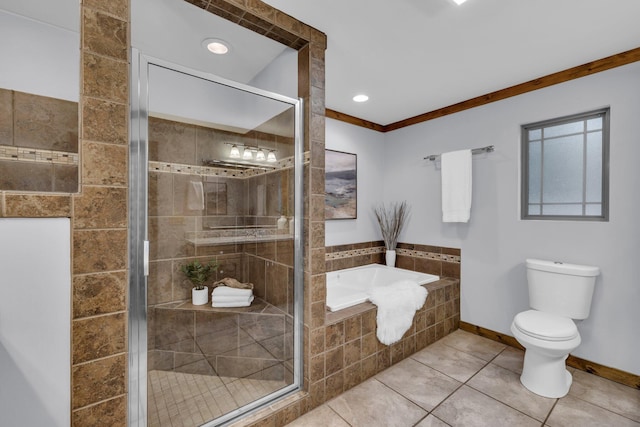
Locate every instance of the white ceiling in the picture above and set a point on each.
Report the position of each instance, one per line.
(416, 56)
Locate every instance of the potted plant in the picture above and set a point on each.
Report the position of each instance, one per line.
(198, 273)
(391, 221)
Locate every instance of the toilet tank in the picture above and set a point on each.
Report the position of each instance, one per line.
(559, 288)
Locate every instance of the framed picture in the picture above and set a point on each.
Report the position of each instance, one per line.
(340, 185)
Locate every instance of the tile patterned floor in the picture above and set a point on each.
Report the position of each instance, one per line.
(466, 380)
(177, 399)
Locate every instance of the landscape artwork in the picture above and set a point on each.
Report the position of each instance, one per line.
(340, 185)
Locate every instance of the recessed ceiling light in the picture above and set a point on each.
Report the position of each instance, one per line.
(459, 2)
(217, 46)
(361, 98)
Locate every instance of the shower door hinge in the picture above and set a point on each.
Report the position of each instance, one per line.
(145, 255)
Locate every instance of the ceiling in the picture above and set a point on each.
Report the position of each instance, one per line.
(416, 56)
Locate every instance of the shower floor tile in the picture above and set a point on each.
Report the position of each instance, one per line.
(177, 399)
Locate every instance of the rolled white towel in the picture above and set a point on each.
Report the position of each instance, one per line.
(231, 292)
(245, 303)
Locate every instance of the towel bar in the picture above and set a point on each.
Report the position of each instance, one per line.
(487, 149)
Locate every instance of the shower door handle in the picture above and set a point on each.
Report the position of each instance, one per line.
(145, 256)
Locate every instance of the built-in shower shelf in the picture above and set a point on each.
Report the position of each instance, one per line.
(220, 240)
(257, 306)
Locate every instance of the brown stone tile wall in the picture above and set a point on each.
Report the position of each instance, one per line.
(99, 385)
(99, 218)
(43, 124)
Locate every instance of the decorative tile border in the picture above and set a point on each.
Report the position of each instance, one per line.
(353, 253)
(22, 154)
(429, 255)
(178, 168)
(330, 256)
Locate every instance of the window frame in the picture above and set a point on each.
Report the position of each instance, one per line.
(605, 113)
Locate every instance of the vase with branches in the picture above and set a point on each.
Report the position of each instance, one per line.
(391, 219)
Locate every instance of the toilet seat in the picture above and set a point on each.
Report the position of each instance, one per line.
(545, 326)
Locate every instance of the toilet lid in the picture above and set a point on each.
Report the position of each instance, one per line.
(545, 326)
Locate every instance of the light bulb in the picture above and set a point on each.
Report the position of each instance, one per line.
(234, 153)
(260, 155)
(247, 155)
(271, 157)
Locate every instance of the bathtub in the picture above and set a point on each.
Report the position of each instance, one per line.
(352, 286)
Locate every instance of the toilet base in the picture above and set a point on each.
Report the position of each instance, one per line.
(544, 375)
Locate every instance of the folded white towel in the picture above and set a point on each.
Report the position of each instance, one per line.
(456, 186)
(231, 292)
(397, 304)
(245, 303)
(195, 196)
(223, 298)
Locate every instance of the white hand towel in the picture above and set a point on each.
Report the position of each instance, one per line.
(456, 186)
(397, 304)
(195, 196)
(231, 292)
(232, 304)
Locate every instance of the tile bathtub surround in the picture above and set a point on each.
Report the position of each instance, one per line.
(431, 389)
(352, 350)
(443, 262)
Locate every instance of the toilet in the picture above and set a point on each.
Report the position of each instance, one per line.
(558, 293)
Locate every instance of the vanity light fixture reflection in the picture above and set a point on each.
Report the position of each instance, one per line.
(261, 154)
(234, 153)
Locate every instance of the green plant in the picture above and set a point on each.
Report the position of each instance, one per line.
(198, 273)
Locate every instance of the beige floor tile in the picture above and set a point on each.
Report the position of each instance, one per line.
(419, 383)
(470, 408)
(505, 386)
(510, 358)
(475, 345)
(573, 412)
(450, 361)
(369, 403)
(432, 421)
(321, 416)
(607, 394)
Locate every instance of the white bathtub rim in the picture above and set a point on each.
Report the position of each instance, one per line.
(341, 296)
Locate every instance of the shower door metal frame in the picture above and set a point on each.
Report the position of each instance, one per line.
(139, 244)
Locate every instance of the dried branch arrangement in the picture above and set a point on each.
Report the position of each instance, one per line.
(391, 221)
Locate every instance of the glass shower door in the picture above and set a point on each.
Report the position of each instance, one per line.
(222, 173)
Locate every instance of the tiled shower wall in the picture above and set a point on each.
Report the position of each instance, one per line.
(38, 143)
(224, 344)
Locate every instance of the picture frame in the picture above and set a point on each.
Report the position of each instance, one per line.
(341, 185)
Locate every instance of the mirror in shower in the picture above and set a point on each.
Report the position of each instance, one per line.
(39, 89)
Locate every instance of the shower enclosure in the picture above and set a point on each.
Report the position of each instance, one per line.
(216, 176)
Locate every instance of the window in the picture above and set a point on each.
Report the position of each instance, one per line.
(565, 168)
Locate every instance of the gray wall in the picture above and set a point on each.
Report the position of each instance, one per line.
(496, 242)
(368, 145)
(35, 337)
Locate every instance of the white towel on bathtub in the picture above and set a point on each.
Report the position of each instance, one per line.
(397, 304)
